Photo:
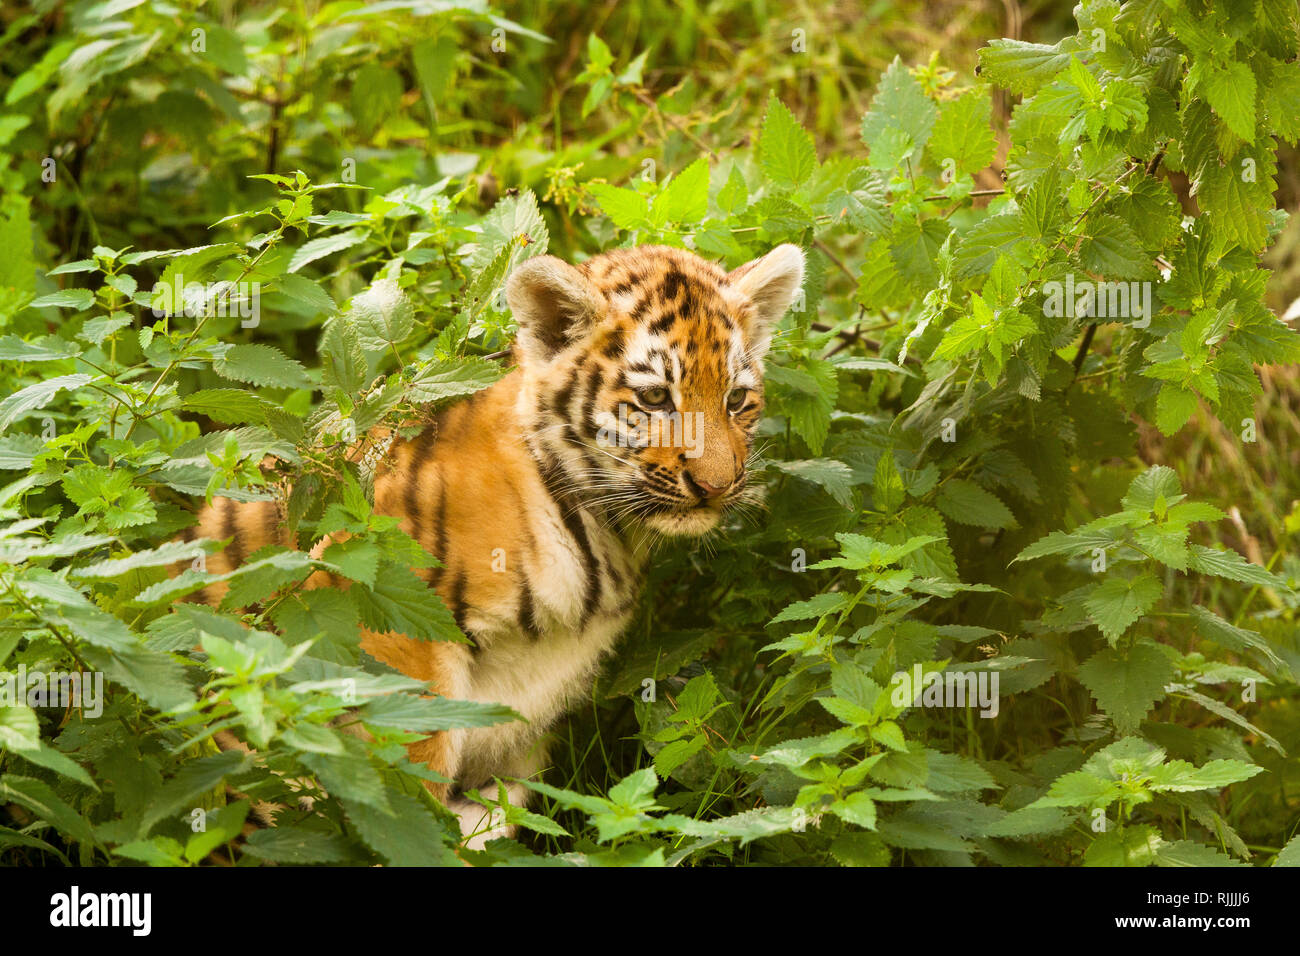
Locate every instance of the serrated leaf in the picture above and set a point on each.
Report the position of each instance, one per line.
(962, 133)
(37, 797)
(834, 476)
(1022, 67)
(77, 299)
(290, 844)
(686, 197)
(327, 245)
(402, 603)
(1117, 602)
(1228, 564)
(785, 148)
(1189, 853)
(37, 396)
(261, 365)
(230, 406)
(382, 314)
(1126, 688)
(901, 115)
(1230, 90)
(410, 835)
(408, 712)
(967, 503)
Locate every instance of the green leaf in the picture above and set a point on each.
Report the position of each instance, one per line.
(887, 492)
(1111, 248)
(383, 315)
(327, 245)
(261, 365)
(986, 242)
(1180, 776)
(963, 134)
(967, 503)
(290, 844)
(343, 363)
(408, 712)
(1190, 853)
(835, 476)
(674, 754)
(1118, 602)
(900, 115)
(401, 602)
(1022, 67)
(408, 836)
(19, 729)
(686, 197)
(1132, 846)
(1231, 565)
(161, 556)
(351, 777)
(38, 396)
(515, 225)
(1230, 90)
(37, 797)
(46, 349)
(1126, 688)
(181, 793)
(1290, 855)
(230, 406)
(857, 808)
(1174, 406)
(442, 380)
(626, 208)
(785, 148)
(325, 613)
(1158, 481)
(78, 299)
(1214, 628)
(305, 292)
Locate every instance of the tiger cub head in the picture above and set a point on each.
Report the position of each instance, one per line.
(643, 371)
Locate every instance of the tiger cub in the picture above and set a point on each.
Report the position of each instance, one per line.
(630, 417)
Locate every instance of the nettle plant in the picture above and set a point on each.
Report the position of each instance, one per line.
(955, 388)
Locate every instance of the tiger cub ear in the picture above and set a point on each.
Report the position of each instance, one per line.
(770, 283)
(554, 305)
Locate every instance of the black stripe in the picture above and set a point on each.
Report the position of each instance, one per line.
(588, 424)
(641, 304)
(411, 495)
(664, 322)
(590, 563)
(456, 599)
(560, 399)
(674, 282)
(614, 347)
(440, 537)
(528, 610)
(234, 550)
(550, 473)
(271, 522)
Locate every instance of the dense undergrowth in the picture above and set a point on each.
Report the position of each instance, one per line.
(973, 411)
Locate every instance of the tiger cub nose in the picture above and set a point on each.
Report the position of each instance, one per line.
(702, 488)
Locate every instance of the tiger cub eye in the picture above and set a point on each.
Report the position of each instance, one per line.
(653, 397)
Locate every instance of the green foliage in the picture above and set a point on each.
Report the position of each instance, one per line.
(954, 491)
